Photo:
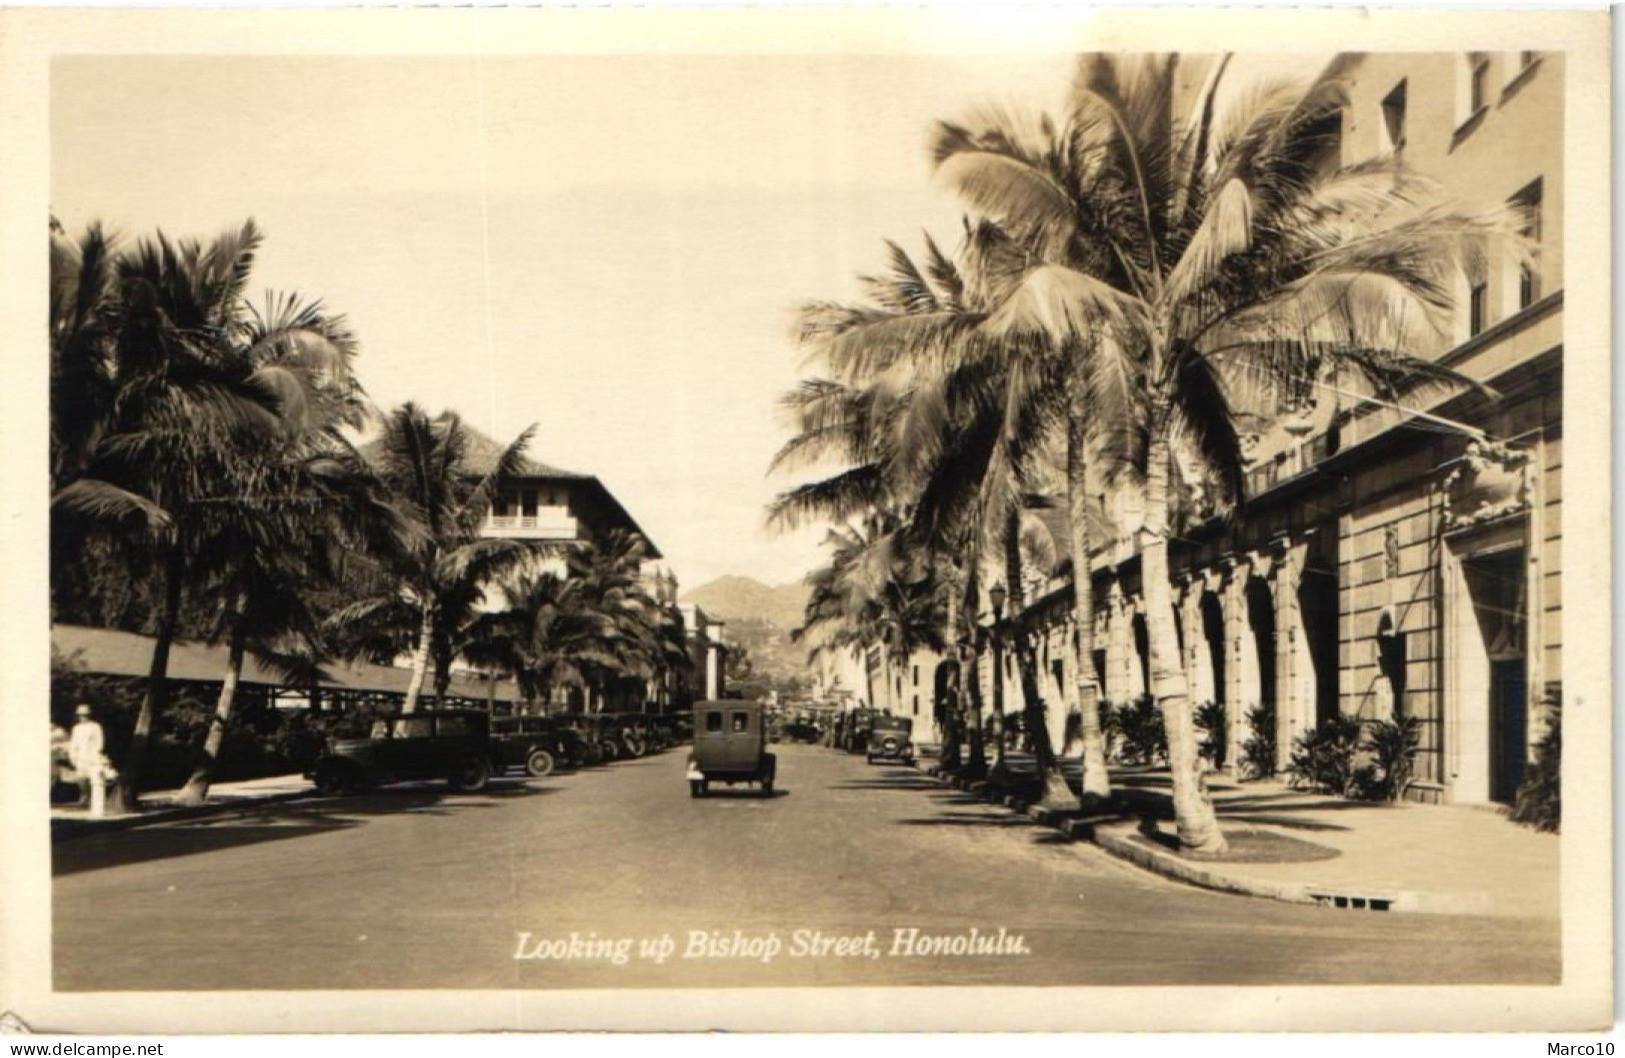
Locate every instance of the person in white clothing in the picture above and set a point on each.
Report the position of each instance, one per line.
(85, 753)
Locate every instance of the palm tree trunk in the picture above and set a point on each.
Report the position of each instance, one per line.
(126, 795)
(197, 786)
(1055, 792)
(949, 707)
(977, 768)
(442, 676)
(1096, 781)
(1194, 818)
(420, 659)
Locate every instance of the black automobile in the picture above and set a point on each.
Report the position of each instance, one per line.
(891, 738)
(855, 733)
(534, 743)
(454, 745)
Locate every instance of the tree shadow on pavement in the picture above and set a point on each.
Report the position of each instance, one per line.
(742, 794)
(969, 819)
(894, 781)
(269, 822)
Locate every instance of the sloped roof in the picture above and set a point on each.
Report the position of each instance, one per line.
(114, 653)
(483, 454)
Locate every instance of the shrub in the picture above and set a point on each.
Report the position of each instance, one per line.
(1392, 749)
(1142, 736)
(1110, 733)
(1211, 721)
(1539, 801)
(1323, 759)
(1258, 750)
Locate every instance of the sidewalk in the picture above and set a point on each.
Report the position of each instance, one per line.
(1449, 859)
(160, 806)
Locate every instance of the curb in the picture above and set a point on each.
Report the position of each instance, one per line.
(69, 829)
(1117, 841)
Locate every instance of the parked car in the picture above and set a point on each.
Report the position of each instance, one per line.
(855, 733)
(454, 745)
(803, 730)
(891, 738)
(534, 743)
(730, 746)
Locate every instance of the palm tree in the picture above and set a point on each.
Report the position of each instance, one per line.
(610, 567)
(926, 412)
(164, 384)
(430, 586)
(265, 576)
(547, 637)
(1199, 267)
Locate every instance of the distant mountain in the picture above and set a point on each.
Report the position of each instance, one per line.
(744, 599)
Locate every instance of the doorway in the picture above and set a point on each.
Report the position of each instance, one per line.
(1509, 721)
(1497, 587)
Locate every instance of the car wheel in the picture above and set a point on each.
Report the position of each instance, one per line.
(767, 786)
(539, 763)
(696, 787)
(333, 780)
(610, 750)
(470, 775)
(635, 747)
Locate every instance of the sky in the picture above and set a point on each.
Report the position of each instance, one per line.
(609, 247)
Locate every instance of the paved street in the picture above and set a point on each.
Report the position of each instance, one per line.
(412, 888)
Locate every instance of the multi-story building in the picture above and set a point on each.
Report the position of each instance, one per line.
(561, 507)
(1395, 561)
(545, 503)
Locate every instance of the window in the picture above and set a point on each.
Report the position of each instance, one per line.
(413, 727)
(1393, 117)
(713, 721)
(1477, 307)
(453, 725)
(1478, 81)
(1527, 204)
(1323, 142)
(916, 675)
(741, 722)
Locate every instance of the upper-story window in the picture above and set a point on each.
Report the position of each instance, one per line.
(1478, 83)
(1393, 117)
(1324, 137)
(1528, 205)
(1478, 306)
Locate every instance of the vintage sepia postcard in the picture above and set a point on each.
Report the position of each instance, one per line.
(863, 518)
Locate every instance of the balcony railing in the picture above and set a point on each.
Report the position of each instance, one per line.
(547, 522)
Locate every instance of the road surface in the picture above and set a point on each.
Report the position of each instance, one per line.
(615, 877)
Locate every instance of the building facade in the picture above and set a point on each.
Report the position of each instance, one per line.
(1392, 562)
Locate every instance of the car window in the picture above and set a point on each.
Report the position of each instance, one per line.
(741, 722)
(380, 729)
(455, 725)
(713, 721)
(412, 727)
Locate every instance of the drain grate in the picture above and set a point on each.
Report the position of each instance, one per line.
(1348, 900)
